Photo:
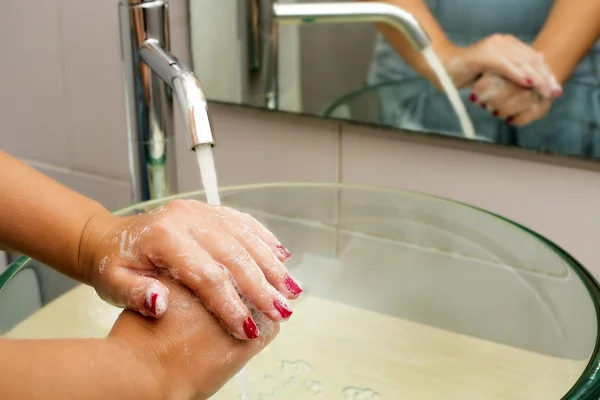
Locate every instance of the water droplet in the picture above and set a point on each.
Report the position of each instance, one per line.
(314, 386)
(292, 382)
(295, 366)
(354, 393)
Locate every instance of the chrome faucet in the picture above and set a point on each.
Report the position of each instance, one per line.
(152, 76)
(263, 17)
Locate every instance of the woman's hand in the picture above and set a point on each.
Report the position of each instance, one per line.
(513, 103)
(217, 252)
(187, 351)
(505, 56)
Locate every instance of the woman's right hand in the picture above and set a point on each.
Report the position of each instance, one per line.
(504, 55)
(187, 350)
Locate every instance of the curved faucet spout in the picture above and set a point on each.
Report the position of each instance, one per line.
(187, 90)
(261, 83)
(327, 13)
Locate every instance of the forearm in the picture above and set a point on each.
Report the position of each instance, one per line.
(41, 218)
(570, 31)
(414, 58)
(73, 369)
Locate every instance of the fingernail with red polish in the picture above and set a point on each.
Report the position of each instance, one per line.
(292, 286)
(250, 328)
(495, 113)
(283, 252)
(283, 308)
(473, 98)
(529, 81)
(150, 303)
(509, 120)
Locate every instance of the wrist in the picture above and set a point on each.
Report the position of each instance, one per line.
(422, 67)
(456, 63)
(557, 62)
(145, 375)
(94, 232)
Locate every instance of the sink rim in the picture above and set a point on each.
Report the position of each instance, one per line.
(587, 387)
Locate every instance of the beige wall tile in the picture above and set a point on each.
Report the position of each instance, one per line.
(256, 146)
(32, 103)
(111, 193)
(94, 87)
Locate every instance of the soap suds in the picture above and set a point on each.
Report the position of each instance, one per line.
(102, 265)
(265, 325)
(161, 305)
(126, 246)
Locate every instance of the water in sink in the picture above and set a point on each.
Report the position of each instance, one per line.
(451, 92)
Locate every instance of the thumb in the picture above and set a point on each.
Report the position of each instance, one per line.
(143, 294)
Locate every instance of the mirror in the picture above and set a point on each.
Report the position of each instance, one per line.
(331, 61)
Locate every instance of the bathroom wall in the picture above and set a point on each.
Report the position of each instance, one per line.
(62, 111)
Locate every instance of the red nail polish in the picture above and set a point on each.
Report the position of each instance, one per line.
(529, 81)
(282, 308)
(495, 113)
(473, 98)
(250, 328)
(284, 252)
(509, 120)
(150, 304)
(292, 286)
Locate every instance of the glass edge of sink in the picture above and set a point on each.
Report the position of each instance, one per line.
(588, 385)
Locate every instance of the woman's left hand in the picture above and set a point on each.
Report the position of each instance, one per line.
(505, 100)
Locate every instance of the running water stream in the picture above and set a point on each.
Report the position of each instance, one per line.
(451, 91)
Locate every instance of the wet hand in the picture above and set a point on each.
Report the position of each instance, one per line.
(187, 352)
(506, 56)
(226, 257)
(505, 100)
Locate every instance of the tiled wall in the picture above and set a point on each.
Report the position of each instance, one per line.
(62, 110)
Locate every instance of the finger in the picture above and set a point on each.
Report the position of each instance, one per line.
(495, 55)
(199, 327)
(544, 79)
(492, 90)
(528, 60)
(193, 266)
(555, 89)
(261, 231)
(521, 101)
(249, 279)
(535, 112)
(137, 292)
(273, 269)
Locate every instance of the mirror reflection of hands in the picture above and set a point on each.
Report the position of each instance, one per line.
(506, 56)
(225, 256)
(505, 100)
(188, 352)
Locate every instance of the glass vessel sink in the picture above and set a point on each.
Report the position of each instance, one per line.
(393, 104)
(398, 104)
(407, 296)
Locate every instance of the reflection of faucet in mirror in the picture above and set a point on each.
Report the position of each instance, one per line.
(264, 16)
(152, 76)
